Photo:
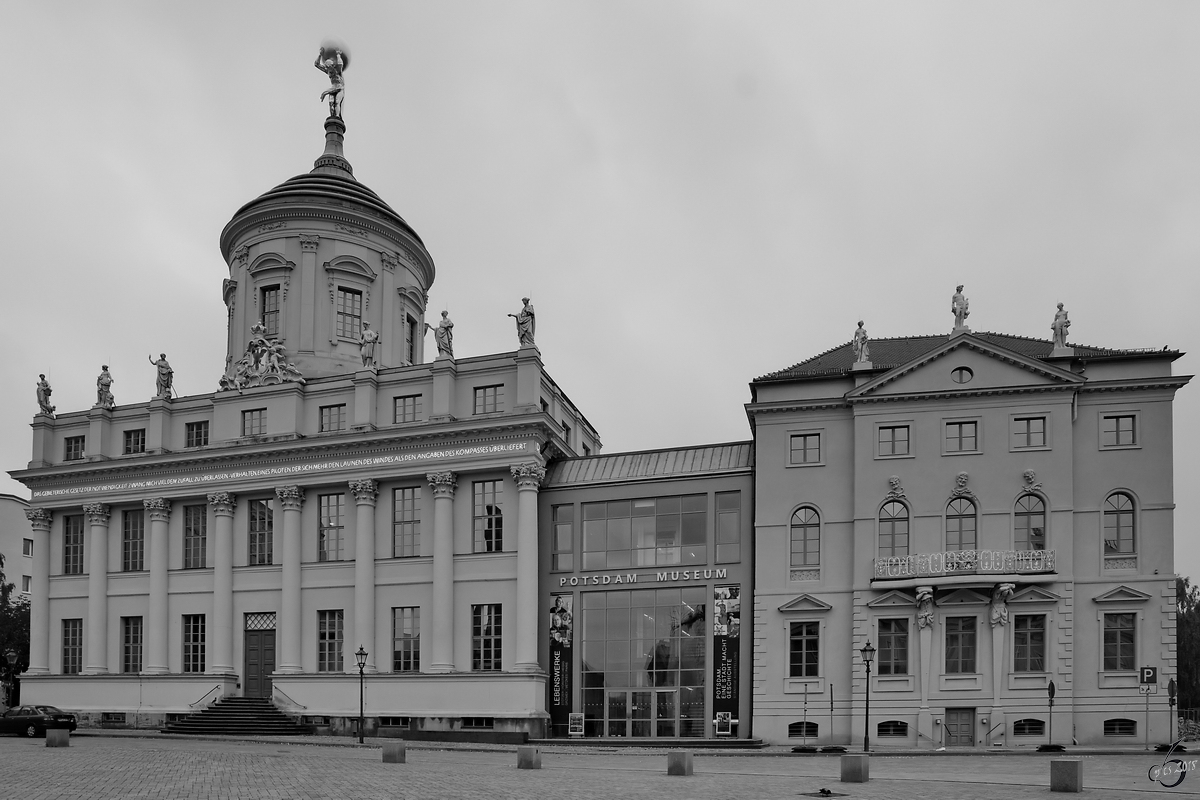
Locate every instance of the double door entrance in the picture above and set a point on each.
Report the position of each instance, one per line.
(960, 727)
(651, 713)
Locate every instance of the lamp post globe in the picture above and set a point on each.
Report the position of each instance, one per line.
(360, 658)
(868, 655)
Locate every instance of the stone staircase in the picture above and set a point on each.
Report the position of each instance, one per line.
(239, 716)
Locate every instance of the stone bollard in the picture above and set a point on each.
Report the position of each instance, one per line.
(856, 768)
(529, 758)
(1066, 775)
(394, 752)
(58, 737)
(679, 762)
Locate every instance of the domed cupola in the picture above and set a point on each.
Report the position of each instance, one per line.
(318, 257)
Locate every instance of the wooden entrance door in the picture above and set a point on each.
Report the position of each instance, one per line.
(960, 727)
(260, 663)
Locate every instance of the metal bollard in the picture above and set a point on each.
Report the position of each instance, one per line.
(529, 758)
(679, 762)
(856, 768)
(1066, 775)
(58, 737)
(394, 752)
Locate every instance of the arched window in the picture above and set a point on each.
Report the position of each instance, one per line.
(893, 530)
(960, 525)
(806, 537)
(892, 727)
(1120, 727)
(1030, 528)
(1118, 525)
(799, 729)
(1029, 727)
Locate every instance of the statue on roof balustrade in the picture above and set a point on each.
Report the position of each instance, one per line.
(104, 395)
(862, 349)
(43, 396)
(959, 306)
(443, 334)
(525, 323)
(1059, 327)
(264, 363)
(165, 376)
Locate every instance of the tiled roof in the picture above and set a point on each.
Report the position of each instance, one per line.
(891, 353)
(680, 462)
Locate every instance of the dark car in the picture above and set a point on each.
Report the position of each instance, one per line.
(34, 720)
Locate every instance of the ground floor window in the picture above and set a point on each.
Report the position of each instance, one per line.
(1120, 727)
(643, 662)
(1029, 727)
(802, 729)
(893, 727)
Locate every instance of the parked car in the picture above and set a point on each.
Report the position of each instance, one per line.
(34, 720)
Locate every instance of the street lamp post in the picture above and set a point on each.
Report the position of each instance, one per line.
(868, 655)
(361, 658)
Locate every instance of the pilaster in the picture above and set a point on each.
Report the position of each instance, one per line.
(445, 375)
(529, 380)
(43, 441)
(158, 429)
(366, 390)
(99, 423)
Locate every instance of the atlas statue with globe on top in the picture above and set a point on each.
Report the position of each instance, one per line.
(333, 60)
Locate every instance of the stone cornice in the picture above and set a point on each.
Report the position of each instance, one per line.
(959, 393)
(784, 406)
(1171, 382)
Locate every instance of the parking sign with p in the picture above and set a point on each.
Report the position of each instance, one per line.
(1149, 675)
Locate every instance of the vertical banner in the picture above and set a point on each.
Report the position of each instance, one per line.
(727, 635)
(561, 634)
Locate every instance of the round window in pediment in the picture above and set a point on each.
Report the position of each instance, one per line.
(962, 375)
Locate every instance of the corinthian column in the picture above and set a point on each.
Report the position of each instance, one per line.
(365, 492)
(528, 477)
(96, 661)
(222, 619)
(290, 615)
(443, 485)
(158, 510)
(39, 609)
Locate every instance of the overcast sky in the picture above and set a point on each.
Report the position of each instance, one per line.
(694, 194)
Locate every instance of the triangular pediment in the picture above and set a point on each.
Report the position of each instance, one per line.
(892, 599)
(991, 367)
(805, 602)
(1033, 594)
(1122, 594)
(963, 597)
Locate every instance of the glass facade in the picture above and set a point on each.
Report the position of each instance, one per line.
(644, 662)
(646, 532)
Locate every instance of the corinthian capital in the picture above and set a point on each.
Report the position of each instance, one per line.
(222, 502)
(443, 483)
(97, 513)
(528, 476)
(39, 518)
(365, 491)
(158, 507)
(292, 497)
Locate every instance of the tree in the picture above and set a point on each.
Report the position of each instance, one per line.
(1187, 642)
(14, 627)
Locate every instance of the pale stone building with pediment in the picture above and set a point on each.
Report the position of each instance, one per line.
(991, 513)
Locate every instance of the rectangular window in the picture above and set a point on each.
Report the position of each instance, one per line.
(406, 522)
(893, 647)
(73, 448)
(1119, 430)
(1029, 643)
(195, 537)
(193, 642)
(486, 628)
(329, 641)
(566, 433)
(406, 639)
(26, 584)
(729, 527)
(196, 434)
(961, 437)
(489, 399)
(646, 532)
(135, 442)
(1029, 432)
(262, 526)
(1119, 642)
(254, 422)
(960, 645)
(562, 556)
(410, 341)
(587, 451)
(72, 646)
(133, 540)
(27, 547)
(893, 440)
(131, 644)
(489, 516)
(333, 418)
(407, 408)
(270, 311)
(804, 645)
(73, 544)
(806, 448)
(349, 313)
(329, 538)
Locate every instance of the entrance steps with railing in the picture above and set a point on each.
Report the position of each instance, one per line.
(240, 716)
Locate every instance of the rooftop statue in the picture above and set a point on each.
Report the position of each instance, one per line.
(366, 344)
(862, 350)
(443, 334)
(1059, 326)
(333, 60)
(526, 322)
(959, 307)
(104, 395)
(263, 364)
(165, 377)
(43, 396)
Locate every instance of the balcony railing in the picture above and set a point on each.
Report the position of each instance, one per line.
(965, 562)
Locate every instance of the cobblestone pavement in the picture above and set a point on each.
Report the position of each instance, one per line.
(102, 768)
